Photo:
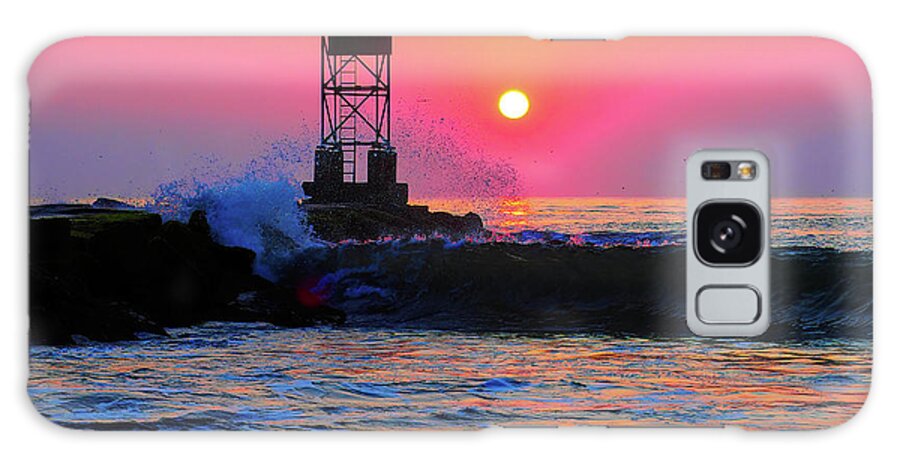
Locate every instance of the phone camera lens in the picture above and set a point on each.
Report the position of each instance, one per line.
(728, 233)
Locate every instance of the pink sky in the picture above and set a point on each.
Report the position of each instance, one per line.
(118, 116)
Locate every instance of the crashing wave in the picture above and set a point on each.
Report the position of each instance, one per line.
(502, 286)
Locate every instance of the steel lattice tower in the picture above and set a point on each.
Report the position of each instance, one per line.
(355, 124)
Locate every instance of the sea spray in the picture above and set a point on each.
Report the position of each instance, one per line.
(439, 158)
(253, 204)
(259, 214)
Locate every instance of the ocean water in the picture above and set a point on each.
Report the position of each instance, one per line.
(245, 376)
(374, 374)
(841, 223)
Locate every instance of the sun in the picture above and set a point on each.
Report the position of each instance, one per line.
(513, 104)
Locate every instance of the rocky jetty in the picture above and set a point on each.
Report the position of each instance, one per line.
(109, 272)
(338, 222)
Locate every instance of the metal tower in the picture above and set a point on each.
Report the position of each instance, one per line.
(356, 125)
(356, 103)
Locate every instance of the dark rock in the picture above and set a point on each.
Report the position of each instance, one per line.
(193, 277)
(280, 307)
(338, 222)
(62, 308)
(109, 274)
(111, 203)
(473, 221)
(50, 241)
(198, 223)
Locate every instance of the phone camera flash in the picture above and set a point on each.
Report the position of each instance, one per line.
(746, 170)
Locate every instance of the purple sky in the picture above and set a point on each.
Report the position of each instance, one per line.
(118, 116)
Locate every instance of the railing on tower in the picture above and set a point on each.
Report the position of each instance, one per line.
(355, 109)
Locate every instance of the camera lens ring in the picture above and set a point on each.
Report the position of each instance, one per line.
(737, 245)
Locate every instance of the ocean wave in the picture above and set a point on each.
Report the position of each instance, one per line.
(545, 286)
(249, 211)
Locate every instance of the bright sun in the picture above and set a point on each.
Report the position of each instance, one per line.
(513, 104)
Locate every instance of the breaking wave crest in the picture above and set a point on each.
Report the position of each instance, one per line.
(253, 206)
(504, 286)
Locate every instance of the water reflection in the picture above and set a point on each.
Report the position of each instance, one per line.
(252, 376)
